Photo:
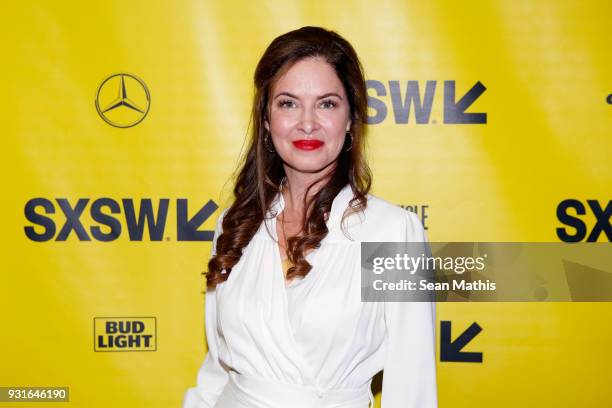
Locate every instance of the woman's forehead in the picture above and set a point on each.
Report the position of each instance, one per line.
(312, 77)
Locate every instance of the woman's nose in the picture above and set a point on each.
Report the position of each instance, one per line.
(308, 121)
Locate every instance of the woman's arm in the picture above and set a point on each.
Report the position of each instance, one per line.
(409, 375)
(212, 376)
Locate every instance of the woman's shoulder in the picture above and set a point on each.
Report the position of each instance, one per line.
(382, 220)
(379, 210)
(378, 206)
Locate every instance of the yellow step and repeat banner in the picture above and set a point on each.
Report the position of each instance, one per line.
(123, 122)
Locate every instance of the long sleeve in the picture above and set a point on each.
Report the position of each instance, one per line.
(409, 374)
(212, 376)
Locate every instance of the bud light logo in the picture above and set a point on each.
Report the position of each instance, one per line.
(125, 334)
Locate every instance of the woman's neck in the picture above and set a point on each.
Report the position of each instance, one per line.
(294, 190)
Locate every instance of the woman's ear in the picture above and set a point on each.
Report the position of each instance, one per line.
(266, 115)
(348, 127)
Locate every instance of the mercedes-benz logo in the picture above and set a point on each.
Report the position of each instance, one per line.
(123, 100)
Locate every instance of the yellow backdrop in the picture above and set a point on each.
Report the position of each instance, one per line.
(532, 131)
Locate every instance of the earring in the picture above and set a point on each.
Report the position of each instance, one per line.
(351, 145)
(267, 144)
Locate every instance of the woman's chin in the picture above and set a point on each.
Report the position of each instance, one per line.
(308, 168)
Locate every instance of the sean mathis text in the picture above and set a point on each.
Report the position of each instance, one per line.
(424, 284)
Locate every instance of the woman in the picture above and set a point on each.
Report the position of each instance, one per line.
(285, 323)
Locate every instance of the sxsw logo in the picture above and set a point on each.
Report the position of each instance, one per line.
(117, 217)
(571, 213)
(125, 334)
(417, 98)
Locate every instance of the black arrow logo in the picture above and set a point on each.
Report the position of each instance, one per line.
(187, 229)
(454, 112)
(451, 350)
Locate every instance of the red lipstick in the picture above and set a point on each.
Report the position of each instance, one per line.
(308, 144)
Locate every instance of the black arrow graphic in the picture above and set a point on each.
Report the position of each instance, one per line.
(454, 112)
(187, 229)
(451, 350)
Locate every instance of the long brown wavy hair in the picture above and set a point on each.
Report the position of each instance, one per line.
(261, 171)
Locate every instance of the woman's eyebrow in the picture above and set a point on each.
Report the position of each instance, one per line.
(296, 97)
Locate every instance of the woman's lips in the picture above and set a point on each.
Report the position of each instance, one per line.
(308, 144)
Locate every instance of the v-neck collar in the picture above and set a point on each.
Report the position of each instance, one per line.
(339, 205)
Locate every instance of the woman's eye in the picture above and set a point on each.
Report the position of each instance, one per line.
(285, 103)
(328, 104)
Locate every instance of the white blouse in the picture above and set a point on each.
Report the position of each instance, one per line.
(317, 332)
